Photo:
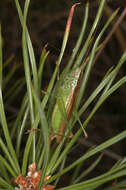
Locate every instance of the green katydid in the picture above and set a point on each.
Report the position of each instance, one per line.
(65, 99)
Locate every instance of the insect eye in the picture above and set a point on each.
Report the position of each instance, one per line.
(75, 73)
